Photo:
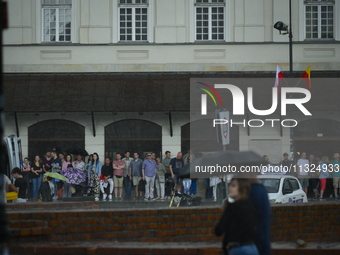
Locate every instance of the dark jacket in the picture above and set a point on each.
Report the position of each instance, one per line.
(45, 192)
(237, 223)
(107, 170)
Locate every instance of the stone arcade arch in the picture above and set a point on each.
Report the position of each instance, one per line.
(46, 135)
(135, 135)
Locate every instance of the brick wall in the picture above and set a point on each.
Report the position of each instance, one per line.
(315, 223)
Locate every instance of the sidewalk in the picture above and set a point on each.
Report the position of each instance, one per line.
(163, 248)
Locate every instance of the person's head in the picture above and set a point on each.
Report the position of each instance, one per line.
(107, 161)
(317, 159)
(54, 154)
(49, 179)
(148, 156)
(79, 157)
(190, 158)
(336, 156)
(127, 154)
(48, 154)
(303, 155)
(36, 159)
(16, 172)
(95, 157)
(135, 155)
(61, 156)
(325, 159)
(26, 161)
(90, 158)
(265, 157)
(179, 155)
(68, 158)
(285, 156)
(153, 156)
(158, 161)
(167, 154)
(239, 188)
(118, 156)
(311, 157)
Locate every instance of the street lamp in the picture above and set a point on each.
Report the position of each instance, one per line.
(283, 27)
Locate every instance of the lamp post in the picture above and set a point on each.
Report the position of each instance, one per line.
(283, 27)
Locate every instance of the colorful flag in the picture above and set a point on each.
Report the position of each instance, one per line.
(306, 77)
(279, 77)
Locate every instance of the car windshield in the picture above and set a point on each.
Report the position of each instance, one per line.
(272, 185)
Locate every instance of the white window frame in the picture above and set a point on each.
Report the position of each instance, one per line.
(192, 10)
(134, 6)
(39, 23)
(302, 22)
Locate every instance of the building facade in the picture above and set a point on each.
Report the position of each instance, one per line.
(115, 69)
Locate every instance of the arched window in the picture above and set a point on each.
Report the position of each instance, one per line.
(46, 135)
(208, 138)
(134, 135)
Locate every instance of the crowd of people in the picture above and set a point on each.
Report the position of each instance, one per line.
(314, 171)
(146, 176)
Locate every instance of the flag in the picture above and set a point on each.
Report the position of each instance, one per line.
(279, 77)
(306, 77)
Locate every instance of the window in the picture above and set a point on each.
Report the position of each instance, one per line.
(294, 183)
(57, 17)
(210, 19)
(286, 186)
(133, 20)
(319, 19)
(271, 185)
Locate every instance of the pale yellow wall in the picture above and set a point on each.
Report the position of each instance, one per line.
(95, 22)
(163, 58)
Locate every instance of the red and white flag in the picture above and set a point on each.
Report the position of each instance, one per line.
(279, 77)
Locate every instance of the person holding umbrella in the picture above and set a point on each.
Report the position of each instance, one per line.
(67, 164)
(238, 221)
(79, 163)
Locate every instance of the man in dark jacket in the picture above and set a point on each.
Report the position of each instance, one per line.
(107, 172)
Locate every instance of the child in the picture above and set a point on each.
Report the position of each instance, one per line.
(238, 221)
(60, 188)
(47, 190)
(186, 186)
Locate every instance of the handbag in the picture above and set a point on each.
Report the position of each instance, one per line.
(161, 178)
(141, 185)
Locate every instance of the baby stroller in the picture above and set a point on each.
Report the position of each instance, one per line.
(179, 198)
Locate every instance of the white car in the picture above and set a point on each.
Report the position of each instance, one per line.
(283, 189)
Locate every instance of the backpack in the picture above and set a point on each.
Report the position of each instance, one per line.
(141, 185)
(45, 192)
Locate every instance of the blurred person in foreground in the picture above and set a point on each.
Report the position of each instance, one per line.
(259, 198)
(238, 221)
